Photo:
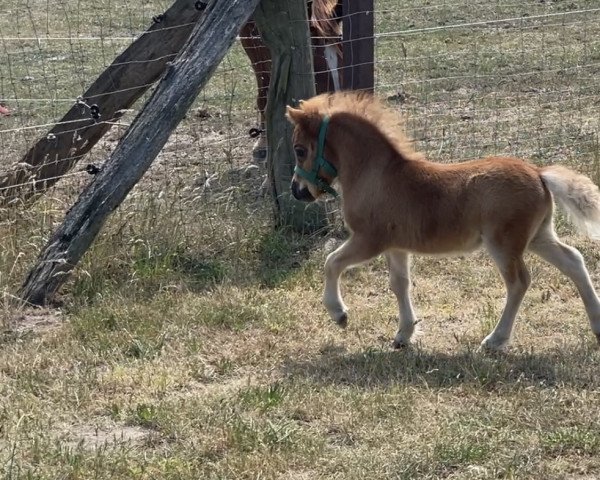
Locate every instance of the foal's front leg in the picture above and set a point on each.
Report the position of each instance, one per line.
(399, 263)
(354, 251)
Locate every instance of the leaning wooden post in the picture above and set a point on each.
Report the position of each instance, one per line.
(284, 29)
(150, 130)
(115, 90)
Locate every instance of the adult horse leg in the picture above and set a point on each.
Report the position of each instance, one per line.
(334, 60)
(260, 57)
(354, 251)
(570, 262)
(327, 63)
(399, 263)
(326, 34)
(517, 279)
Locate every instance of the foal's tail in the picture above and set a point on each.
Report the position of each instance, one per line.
(577, 194)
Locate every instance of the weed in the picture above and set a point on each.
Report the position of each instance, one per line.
(575, 440)
(263, 398)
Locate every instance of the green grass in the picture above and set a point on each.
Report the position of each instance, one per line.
(191, 341)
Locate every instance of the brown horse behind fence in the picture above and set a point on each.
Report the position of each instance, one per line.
(325, 31)
(396, 202)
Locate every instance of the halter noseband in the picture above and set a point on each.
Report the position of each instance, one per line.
(320, 162)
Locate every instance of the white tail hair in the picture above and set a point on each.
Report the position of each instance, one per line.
(576, 194)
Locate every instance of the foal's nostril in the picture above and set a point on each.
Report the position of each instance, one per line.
(301, 193)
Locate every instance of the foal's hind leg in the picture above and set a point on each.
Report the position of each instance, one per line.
(517, 280)
(570, 262)
(399, 263)
(354, 251)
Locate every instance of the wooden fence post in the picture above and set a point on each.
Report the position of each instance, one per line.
(115, 90)
(284, 28)
(358, 45)
(208, 44)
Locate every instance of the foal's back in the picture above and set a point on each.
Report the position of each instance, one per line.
(442, 208)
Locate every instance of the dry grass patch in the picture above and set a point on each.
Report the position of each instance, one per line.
(192, 343)
(239, 381)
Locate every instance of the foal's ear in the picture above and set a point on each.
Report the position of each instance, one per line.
(294, 115)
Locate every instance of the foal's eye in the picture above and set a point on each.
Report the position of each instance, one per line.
(300, 152)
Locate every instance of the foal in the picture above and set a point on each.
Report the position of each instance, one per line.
(397, 203)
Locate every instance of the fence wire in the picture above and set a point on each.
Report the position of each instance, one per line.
(495, 78)
(473, 78)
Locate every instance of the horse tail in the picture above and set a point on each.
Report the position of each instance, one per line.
(576, 194)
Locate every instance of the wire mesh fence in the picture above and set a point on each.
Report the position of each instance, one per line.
(52, 51)
(473, 78)
(488, 78)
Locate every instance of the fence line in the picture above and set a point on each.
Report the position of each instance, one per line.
(428, 71)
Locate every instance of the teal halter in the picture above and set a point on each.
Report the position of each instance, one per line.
(320, 162)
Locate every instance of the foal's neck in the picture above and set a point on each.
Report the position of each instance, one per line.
(356, 143)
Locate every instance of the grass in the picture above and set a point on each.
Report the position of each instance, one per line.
(191, 341)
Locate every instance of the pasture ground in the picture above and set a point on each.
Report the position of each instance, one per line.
(191, 342)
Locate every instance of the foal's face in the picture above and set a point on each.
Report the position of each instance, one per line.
(305, 151)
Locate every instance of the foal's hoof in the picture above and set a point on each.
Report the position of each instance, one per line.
(491, 346)
(342, 320)
(403, 335)
(400, 344)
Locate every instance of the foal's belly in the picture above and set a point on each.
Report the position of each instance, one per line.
(452, 244)
(449, 249)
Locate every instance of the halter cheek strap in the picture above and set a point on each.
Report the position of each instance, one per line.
(320, 163)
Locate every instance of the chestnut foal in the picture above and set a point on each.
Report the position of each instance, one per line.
(396, 202)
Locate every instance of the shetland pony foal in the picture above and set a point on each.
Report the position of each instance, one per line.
(396, 202)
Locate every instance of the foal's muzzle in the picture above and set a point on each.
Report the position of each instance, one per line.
(301, 193)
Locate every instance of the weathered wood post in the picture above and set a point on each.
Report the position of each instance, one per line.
(115, 90)
(210, 40)
(359, 45)
(284, 29)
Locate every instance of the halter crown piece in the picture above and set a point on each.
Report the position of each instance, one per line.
(320, 162)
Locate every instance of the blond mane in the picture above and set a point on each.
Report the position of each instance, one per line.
(367, 107)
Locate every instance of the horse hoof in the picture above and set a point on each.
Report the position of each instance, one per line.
(259, 154)
(342, 321)
(400, 344)
(598, 338)
(489, 347)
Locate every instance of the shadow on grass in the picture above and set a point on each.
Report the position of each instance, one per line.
(282, 252)
(376, 367)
